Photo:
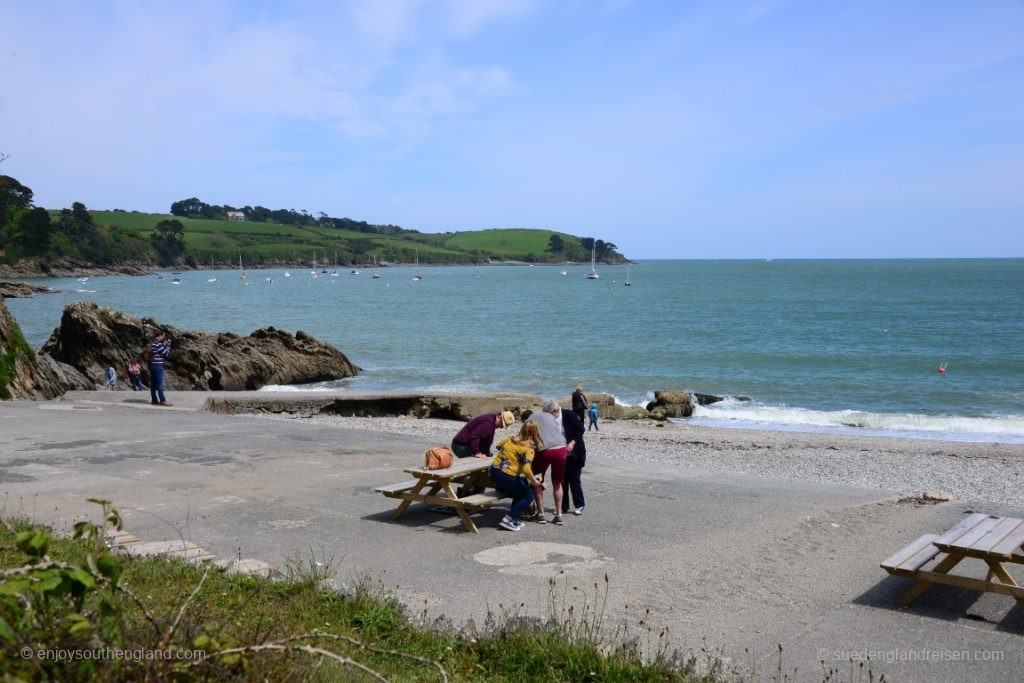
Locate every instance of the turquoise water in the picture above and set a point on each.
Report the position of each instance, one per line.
(823, 345)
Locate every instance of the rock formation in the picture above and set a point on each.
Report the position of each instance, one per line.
(23, 374)
(19, 290)
(91, 338)
(670, 404)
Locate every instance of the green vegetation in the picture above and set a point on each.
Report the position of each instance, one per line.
(76, 596)
(200, 234)
(8, 357)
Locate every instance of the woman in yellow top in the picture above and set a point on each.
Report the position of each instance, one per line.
(512, 472)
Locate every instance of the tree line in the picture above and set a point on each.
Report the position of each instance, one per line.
(193, 207)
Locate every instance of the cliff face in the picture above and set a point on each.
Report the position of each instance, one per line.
(23, 374)
(91, 338)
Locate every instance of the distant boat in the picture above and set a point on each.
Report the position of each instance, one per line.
(376, 273)
(83, 279)
(176, 281)
(417, 277)
(628, 284)
(212, 279)
(242, 275)
(287, 274)
(334, 273)
(592, 275)
(563, 272)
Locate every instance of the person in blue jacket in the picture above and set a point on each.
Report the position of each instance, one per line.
(593, 417)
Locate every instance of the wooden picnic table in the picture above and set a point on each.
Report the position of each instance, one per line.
(996, 541)
(440, 487)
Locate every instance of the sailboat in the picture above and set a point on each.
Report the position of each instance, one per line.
(334, 273)
(417, 277)
(592, 275)
(628, 283)
(242, 275)
(376, 273)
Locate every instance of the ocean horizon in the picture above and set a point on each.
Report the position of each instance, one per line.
(835, 346)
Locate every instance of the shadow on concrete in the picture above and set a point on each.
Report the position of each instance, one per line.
(946, 603)
(423, 515)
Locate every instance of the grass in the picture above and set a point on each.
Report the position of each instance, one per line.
(219, 241)
(276, 630)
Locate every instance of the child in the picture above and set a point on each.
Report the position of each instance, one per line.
(593, 417)
(135, 373)
(111, 378)
(511, 471)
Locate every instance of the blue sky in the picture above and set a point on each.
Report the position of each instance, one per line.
(782, 128)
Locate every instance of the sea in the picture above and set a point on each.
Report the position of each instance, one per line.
(833, 346)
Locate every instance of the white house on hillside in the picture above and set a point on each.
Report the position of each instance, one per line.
(236, 216)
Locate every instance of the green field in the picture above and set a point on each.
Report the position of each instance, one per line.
(210, 241)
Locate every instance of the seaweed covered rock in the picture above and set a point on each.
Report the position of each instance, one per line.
(670, 404)
(23, 374)
(91, 338)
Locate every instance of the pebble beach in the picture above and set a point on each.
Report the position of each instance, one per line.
(970, 472)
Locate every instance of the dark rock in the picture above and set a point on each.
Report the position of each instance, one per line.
(670, 404)
(20, 290)
(24, 374)
(91, 338)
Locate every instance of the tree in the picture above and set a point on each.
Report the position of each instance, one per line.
(555, 244)
(32, 232)
(168, 240)
(188, 207)
(13, 197)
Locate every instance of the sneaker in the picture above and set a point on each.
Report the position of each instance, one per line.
(579, 511)
(165, 404)
(510, 525)
(540, 518)
(558, 520)
(519, 525)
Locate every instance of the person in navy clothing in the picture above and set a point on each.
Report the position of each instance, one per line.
(572, 425)
(159, 351)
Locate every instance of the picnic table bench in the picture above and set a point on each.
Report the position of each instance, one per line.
(996, 541)
(438, 487)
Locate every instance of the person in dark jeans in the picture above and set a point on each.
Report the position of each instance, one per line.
(159, 351)
(574, 463)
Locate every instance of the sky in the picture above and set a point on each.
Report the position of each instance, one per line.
(671, 128)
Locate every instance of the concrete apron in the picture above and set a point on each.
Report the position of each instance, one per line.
(737, 563)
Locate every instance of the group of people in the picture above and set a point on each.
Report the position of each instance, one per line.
(155, 353)
(550, 440)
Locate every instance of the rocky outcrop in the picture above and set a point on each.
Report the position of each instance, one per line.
(20, 290)
(390, 404)
(69, 267)
(91, 338)
(670, 404)
(607, 408)
(23, 374)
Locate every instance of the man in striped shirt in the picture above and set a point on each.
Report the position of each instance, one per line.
(159, 351)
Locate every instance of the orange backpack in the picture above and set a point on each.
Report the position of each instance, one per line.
(438, 458)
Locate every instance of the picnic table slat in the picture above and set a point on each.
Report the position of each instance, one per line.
(996, 534)
(959, 529)
(968, 538)
(396, 488)
(895, 563)
(1011, 543)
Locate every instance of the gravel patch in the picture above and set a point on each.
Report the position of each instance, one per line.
(976, 472)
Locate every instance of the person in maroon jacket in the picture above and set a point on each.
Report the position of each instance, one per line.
(477, 435)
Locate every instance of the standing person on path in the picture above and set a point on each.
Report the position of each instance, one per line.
(593, 417)
(135, 374)
(111, 376)
(550, 423)
(156, 353)
(512, 472)
(576, 459)
(579, 402)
